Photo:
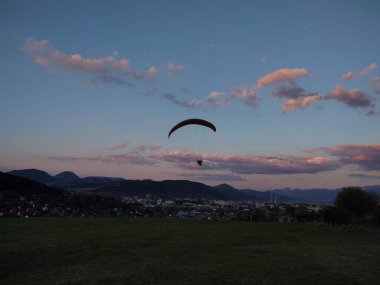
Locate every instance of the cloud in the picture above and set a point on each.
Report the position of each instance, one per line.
(282, 75)
(365, 156)
(373, 112)
(110, 79)
(286, 87)
(362, 73)
(215, 99)
(250, 164)
(184, 89)
(175, 67)
(33, 46)
(375, 85)
(212, 177)
(297, 97)
(292, 92)
(119, 146)
(77, 63)
(50, 57)
(129, 158)
(150, 147)
(364, 176)
(247, 94)
(353, 98)
(133, 158)
(301, 102)
(147, 75)
(183, 103)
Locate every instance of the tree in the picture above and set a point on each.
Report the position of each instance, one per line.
(357, 202)
(376, 215)
(336, 215)
(259, 215)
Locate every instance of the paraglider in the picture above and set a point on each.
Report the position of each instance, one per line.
(193, 121)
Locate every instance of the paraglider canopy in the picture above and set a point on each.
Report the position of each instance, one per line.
(199, 122)
(192, 122)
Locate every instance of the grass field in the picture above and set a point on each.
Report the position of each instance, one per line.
(163, 251)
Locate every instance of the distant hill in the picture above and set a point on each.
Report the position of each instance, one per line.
(115, 186)
(164, 189)
(65, 179)
(22, 197)
(34, 174)
(309, 195)
(249, 194)
(318, 195)
(66, 176)
(15, 185)
(373, 189)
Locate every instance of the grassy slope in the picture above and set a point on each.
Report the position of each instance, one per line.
(157, 251)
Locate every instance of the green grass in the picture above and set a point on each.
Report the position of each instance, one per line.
(163, 251)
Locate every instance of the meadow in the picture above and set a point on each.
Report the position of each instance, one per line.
(165, 251)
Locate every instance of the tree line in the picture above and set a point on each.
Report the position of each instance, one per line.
(353, 206)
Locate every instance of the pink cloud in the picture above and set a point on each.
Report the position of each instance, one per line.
(354, 98)
(347, 76)
(375, 80)
(375, 85)
(75, 62)
(247, 94)
(281, 75)
(250, 164)
(147, 75)
(47, 55)
(366, 156)
(362, 73)
(133, 158)
(215, 95)
(151, 71)
(122, 64)
(215, 99)
(212, 177)
(150, 147)
(301, 102)
(33, 46)
(172, 66)
(129, 158)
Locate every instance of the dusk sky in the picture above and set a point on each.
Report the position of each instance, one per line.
(293, 88)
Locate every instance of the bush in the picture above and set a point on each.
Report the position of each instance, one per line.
(356, 201)
(336, 215)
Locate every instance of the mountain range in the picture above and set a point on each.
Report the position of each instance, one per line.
(119, 187)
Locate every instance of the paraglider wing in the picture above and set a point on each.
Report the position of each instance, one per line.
(192, 122)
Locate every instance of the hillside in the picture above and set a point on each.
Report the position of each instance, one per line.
(34, 174)
(119, 187)
(21, 197)
(14, 185)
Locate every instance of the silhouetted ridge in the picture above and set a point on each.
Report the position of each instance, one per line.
(24, 186)
(34, 174)
(66, 176)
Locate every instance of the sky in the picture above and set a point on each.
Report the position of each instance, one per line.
(293, 88)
